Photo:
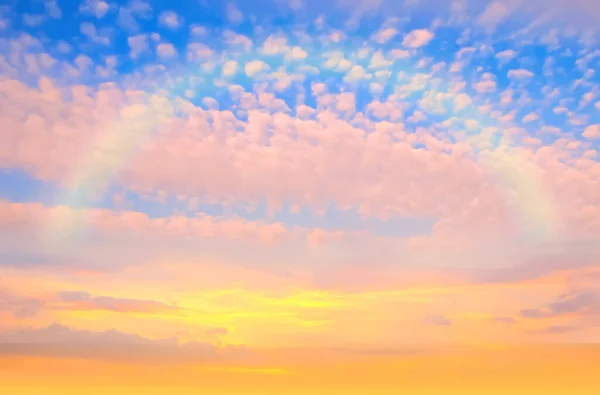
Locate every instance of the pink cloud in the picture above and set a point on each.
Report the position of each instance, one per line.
(274, 155)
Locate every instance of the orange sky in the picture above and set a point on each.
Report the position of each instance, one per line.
(523, 370)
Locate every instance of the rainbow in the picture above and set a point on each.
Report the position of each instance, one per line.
(517, 176)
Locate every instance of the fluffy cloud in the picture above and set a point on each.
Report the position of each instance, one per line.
(592, 132)
(255, 67)
(230, 68)
(170, 20)
(165, 50)
(138, 45)
(98, 8)
(384, 35)
(417, 38)
(519, 74)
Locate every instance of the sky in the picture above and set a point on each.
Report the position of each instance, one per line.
(294, 196)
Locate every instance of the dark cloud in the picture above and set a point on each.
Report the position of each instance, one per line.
(61, 341)
(585, 302)
(19, 306)
(555, 329)
(539, 261)
(85, 301)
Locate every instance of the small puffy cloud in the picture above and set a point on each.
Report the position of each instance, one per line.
(166, 50)
(198, 31)
(519, 74)
(128, 14)
(356, 74)
(33, 20)
(275, 45)
(417, 38)
(461, 101)
(531, 117)
(237, 40)
(170, 20)
(376, 89)
(378, 61)
(506, 55)
(296, 54)
(487, 84)
(198, 51)
(98, 8)
(384, 35)
(592, 132)
(64, 47)
(138, 44)
(337, 61)
(88, 29)
(255, 67)
(399, 53)
(234, 15)
(230, 68)
(52, 9)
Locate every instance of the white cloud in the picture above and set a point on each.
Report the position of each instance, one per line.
(461, 101)
(33, 20)
(519, 74)
(296, 54)
(356, 73)
(275, 45)
(592, 132)
(417, 38)
(88, 29)
(255, 67)
(230, 68)
(530, 117)
(237, 40)
(506, 55)
(64, 47)
(52, 9)
(384, 35)
(337, 61)
(98, 8)
(137, 45)
(378, 61)
(170, 20)
(198, 51)
(166, 50)
(376, 89)
(197, 30)
(399, 53)
(487, 84)
(234, 15)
